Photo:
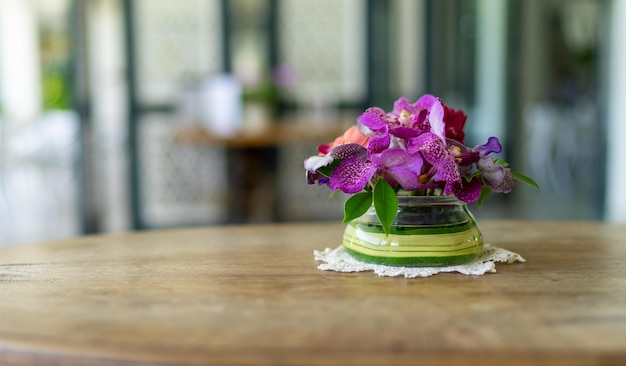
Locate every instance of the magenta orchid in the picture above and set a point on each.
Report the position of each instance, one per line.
(416, 149)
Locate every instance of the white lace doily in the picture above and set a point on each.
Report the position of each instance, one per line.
(340, 261)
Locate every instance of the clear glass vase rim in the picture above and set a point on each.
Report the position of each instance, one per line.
(429, 200)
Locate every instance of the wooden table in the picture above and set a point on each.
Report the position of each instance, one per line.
(252, 295)
(281, 133)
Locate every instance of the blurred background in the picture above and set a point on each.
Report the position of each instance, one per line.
(120, 115)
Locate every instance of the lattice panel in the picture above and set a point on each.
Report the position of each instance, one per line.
(177, 41)
(323, 41)
(181, 184)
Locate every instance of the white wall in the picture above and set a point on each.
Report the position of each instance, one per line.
(490, 70)
(20, 95)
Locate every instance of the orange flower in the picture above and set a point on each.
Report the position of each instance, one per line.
(351, 136)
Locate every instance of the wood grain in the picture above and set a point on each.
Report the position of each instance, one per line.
(252, 295)
(271, 135)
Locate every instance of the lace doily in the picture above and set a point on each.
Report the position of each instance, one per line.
(340, 261)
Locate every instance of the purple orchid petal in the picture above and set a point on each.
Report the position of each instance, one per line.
(507, 183)
(468, 192)
(346, 151)
(403, 105)
(406, 178)
(468, 158)
(433, 151)
(493, 174)
(499, 178)
(352, 175)
(391, 157)
(426, 101)
(404, 132)
(437, 126)
(492, 146)
(372, 123)
(315, 177)
(447, 171)
(374, 120)
(429, 145)
(436, 113)
(378, 144)
(399, 167)
(463, 156)
(313, 163)
(420, 122)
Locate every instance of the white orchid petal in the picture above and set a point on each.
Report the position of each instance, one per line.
(315, 162)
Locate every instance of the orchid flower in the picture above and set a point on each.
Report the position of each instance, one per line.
(418, 148)
(498, 177)
(356, 170)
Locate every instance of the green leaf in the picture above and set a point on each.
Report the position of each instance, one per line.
(501, 162)
(524, 179)
(328, 169)
(356, 206)
(472, 176)
(484, 192)
(385, 203)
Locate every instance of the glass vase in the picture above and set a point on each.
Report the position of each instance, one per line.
(428, 231)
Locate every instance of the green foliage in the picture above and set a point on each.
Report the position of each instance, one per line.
(56, 91)
(356, 206)
(524, 179)
(501, 163)
(484, 192)
(385, 203)
(328, 169)
(265, 92)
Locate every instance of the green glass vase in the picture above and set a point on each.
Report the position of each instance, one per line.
(427, 231)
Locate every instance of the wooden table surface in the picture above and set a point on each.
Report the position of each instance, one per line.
(252, 295)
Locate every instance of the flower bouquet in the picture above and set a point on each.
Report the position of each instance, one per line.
(416, 150)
